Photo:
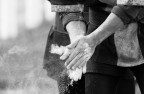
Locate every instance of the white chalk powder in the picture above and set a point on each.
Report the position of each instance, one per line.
(76, 74)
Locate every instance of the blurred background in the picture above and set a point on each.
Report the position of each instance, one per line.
(24, 26)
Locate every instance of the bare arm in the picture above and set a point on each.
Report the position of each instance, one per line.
(75, 30)
(109, 2)
(108, 27)
(85, 47)
(74, 24)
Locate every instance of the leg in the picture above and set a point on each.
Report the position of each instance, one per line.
(138, 71)
(126, 86)
(126, 81)
(100, 83)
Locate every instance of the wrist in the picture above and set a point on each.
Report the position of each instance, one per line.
(76, 27)
(75, 38)
(75, 30)
(94, 39)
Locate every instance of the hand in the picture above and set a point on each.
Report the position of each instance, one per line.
(82, 51)
(76, 74)
(69, 48)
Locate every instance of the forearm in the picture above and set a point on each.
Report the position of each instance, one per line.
(74, 23)
(112, 24)
(109, 2)
(76, 29)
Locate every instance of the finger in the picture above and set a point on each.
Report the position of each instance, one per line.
(72, 55)
(79, 73)
(85, 60)
(74, 61)
(65, 54)
(68, 50)
(82, 61)
(75, 74)
(82, 64)
(84, 68)
(77, 65)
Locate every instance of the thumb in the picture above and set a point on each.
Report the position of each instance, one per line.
(65, 54)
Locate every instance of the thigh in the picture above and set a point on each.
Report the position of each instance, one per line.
(126, 84)
(138, 71)
(96, 83)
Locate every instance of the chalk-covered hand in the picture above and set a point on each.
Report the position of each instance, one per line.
(82, 51)
(75, 74)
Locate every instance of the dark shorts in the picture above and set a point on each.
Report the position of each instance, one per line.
(101, 83)
(112, 70)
